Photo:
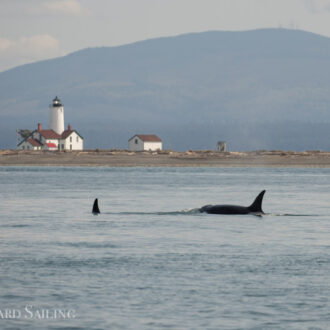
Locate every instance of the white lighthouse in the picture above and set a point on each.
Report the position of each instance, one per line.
(56, 137)
(56, 121)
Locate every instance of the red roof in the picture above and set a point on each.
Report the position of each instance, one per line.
(51, 145)
(34, 142)
(50, 134)
(66, 133)
(148, 138)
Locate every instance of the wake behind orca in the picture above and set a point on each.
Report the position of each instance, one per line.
(254, 208)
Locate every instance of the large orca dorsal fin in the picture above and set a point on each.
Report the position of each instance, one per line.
(96, 209)
(256, 206)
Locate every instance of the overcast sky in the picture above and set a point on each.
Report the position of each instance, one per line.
(31, 30)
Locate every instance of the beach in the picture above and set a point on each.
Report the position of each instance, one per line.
(166, 158)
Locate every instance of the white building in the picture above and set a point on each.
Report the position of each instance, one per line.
(141, 142)
(55, 138)
(71, 140)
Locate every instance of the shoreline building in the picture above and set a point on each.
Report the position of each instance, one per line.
(56, 137)
(221, 146)
(143, 142)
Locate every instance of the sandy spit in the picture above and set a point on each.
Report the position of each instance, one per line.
(124, 158)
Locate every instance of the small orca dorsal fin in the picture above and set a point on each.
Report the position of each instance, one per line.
(96, 209)
(256, 206)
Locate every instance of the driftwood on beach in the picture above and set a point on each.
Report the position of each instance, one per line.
(204, 158)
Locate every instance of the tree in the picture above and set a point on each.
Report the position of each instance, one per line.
(24, 133)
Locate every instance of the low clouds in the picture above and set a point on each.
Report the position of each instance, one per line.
(318, 6)
(5, 44)
(42, 7)
(31, 29)
(28, 49)
(71, 7)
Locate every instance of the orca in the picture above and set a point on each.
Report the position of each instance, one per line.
(96, 209)
(254, 208)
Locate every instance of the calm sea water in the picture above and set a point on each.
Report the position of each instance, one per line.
(149, 261)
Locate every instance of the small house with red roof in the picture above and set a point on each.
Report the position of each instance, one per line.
(47, 139)
(55, 138)
(30, 144)
(71, 140)
(142, 142)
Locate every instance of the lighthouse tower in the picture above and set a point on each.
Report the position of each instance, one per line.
(56, 121)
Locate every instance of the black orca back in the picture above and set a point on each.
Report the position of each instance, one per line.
(96, 209)
(225, 209)
(255, 207)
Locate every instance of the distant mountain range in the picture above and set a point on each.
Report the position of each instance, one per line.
(261, 89)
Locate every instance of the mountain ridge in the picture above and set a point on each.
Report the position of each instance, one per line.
(192, 90)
